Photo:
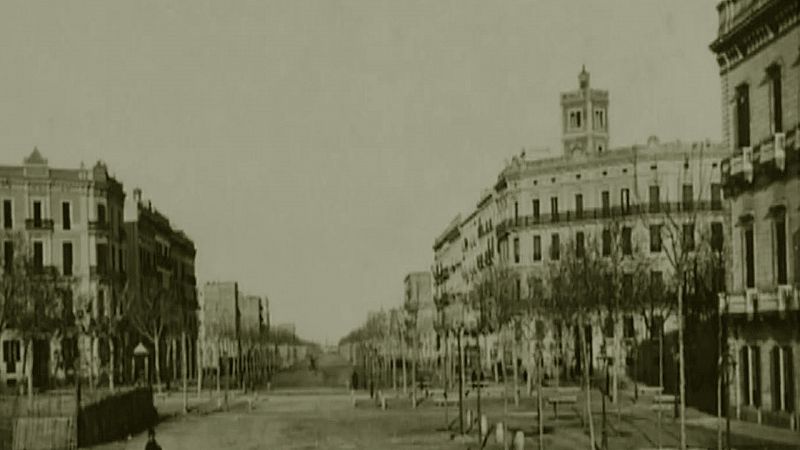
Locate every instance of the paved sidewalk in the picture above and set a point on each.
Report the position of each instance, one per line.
(780, 436)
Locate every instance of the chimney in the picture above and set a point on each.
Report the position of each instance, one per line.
(137, 195)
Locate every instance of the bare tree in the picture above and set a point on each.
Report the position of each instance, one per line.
(151, 314)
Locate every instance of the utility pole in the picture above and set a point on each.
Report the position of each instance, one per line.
(460, 382)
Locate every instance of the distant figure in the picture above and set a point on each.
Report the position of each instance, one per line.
(151, 441)
(354, 381)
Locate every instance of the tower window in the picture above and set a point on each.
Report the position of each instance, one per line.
(599, 119)
(575, 119)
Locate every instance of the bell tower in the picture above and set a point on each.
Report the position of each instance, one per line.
(584, 117)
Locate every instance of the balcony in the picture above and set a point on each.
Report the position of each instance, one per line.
(95, 225)
(41, 224)
(754, 302)
(767, 161)
(616, 212)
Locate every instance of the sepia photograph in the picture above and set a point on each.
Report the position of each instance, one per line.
(400, 224)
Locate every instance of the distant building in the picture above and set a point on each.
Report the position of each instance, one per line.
(219, 322)
(758, 51)
(70, 220)
(421, 312)
(285, 328)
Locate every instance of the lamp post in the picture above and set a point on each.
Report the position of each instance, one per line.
(608, 363)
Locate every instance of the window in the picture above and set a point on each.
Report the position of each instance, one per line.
(780, 248)
(102, 257)
(599, 119)
(750, 363)
(11, 354)
(537, 248)
(749, 258)
(606, 201)
(575, 119)
(656, 281)
(555, 247)
(518, 289)
(782, 379)
(37, 213)
(66, 258)
(516, 213)
(743, 116)
(516, 250)
(776, 107)
(625, 200)
(655, 238)
(716, 196)
(656, 326)
(536, 210)
(8, 216)
(38, 255)
(627, 244)
(101, 303)
(606, 242)
(66, 216)
(655, 205)
(101, 213)
(628, 330)
(554, 208)
(579, 206)
(579, 248)
(8, 256)
(717, 236)
(688, 237)
(627, 286)
(688, 197)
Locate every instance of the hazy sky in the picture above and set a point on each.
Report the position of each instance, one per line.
(314, 149)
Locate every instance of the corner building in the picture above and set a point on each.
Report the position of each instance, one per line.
(539, 209)
(758, 51)
(70, 220)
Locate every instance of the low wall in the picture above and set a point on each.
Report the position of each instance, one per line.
(116, 417)
(48, 421)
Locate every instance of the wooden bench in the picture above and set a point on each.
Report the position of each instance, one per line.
(650, 390)
(442, 401)
(663, 402)
(561, 400)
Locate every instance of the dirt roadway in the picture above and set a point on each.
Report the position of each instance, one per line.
(298, 421)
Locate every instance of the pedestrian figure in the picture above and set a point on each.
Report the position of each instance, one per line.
(151, 441)
(354, 381)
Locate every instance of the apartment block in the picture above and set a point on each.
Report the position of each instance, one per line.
(592, 194)
(758, 49)
(70, 220)
(161, 264)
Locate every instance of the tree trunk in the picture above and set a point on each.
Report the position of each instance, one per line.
(515, 372)
(28, 371)
(405, 381)
(414, 375)
(199, 367)
(681, 369)
(219, 369)
(157, 356)
(617, 362)
(587, 382)
(184, 369)
(91, 362)
(111, 363)
(539, 406)
(394, 371)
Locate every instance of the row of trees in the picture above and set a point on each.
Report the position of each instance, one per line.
(40, 303)
(595, 281)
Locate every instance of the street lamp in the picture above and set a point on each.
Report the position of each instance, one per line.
(608, 362)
